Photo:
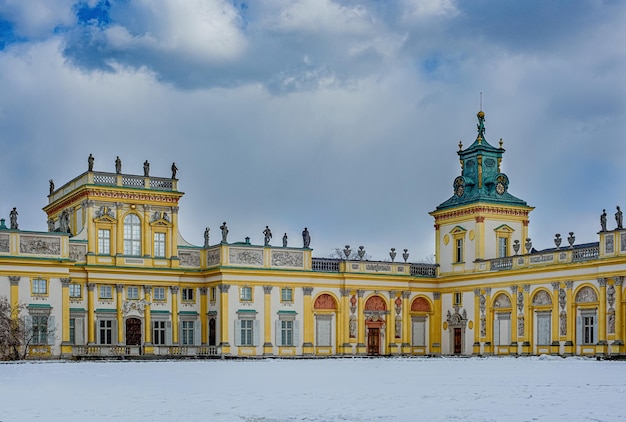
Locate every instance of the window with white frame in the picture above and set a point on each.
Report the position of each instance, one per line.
(247, 329)
(213, 294)
(158, 293)
(323, 330)
(104, 241)
(187, 333)
(286, 294)
(543, 328)
(132, 235)
(77, 329)
(39, 329)
(106, 292)
(132, 292)
(158, 332)
(75, 290)
(39, 286)
(458, 299)
(72, 330)
(459, 250)
(588, 329)
(286, 333)
(245, 294)
(187, 294)
(106, 331)
(502, 247)
(159, 245)
(247, 332)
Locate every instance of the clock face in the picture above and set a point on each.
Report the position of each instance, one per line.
(459, 186)
(500, 188)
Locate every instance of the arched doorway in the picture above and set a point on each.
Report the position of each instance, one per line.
(133, 332)
(420, 327)
(375, 313)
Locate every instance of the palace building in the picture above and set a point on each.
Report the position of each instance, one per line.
(113, 277)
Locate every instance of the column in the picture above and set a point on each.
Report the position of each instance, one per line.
(148, 348)
(174, 231)
(174, 290)
(526, 311)
(601, 347)
(268, 348)
(119, 229)
(514, 348)
(488, 322)
(556, 345)
(204, 322)
(480, 236)
(92, 236)
(406, 324)
(224, 344)
(66, 347)
(119, 289)
(569, 343)
(436, 324)
(307, 345)
(390, 338)
(15, 294)
(91, 314)
(476, 345)
(360, 345)
(147, 238)
(619, 329)
(343, 331)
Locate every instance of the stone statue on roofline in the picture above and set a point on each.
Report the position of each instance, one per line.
(13, 218)
(118, 165)
(224, 230)
(306, 238)
(619, 219)
(603, 221)
(90, 161)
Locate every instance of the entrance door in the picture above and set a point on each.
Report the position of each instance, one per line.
(133, 332)
(457, 341)
(373, 341)
(212, 336)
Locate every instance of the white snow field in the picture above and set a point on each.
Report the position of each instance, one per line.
(400, 389)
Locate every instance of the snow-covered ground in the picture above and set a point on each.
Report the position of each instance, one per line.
(445, 389)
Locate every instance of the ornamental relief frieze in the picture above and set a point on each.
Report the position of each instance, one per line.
(78, 252)
(40, 245)
(287, 259)
(134, 196)
(245, 257)
(482, 210)
(189, 258)
(213, 258)
(4, 243)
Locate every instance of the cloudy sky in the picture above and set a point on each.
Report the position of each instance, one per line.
(340, 115)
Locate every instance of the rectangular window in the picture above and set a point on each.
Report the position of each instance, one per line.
(106, 292)
(132, 292)
(39, 329)
(188, 295)
(458, 299)
(104, 242)
(245, 294)
(40, 286)
(159, 293)
(286, 294)
(588, 329)
(213, 294)
(419, 331)
(187, 332)
(323, 331)
(502, 247)
(106, 331)
(158, 333)
(459, 250)
(543, 329)
(159, 245)
(286, 333)
(75, 290)
(247, 331)
(72, 330)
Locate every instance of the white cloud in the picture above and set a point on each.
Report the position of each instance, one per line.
(36, 19)
(415, 10)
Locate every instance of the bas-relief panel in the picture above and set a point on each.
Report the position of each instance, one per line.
(542, 298)
(287, 259)
(40, 245)
(189, 258)
(586, 295)
(78, 252)
(213, 258)
(4, 243)
(239, 256)
(502, 301)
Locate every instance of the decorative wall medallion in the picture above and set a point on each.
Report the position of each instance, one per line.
(472, 235)
(4, 243)
(446, 239)
(213, 258)
(78, 252)
(40, 245)
(239, 256)
(287, 259)
(189, 258)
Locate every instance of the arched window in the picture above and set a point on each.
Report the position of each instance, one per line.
(132, 235)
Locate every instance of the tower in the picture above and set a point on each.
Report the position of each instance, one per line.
(481, 220)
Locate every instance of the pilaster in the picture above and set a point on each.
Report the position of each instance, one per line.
(148, 348)
(601, 347)
(174, 290)
(91, 314)
(307, 345)
(268, 348)
(204, 322)
(437, 317)
(556, 345)
(618, 343)
(489, 322)
(476, 345)
(526, 346)
(119, 290)
(15, 294)
(569, 343)
(343, 337)
(66, 347)
(360, 346)
(406, 326)
(224, 344)
(390, 338)
(514, 349)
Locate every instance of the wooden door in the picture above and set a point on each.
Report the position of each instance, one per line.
(457, 341)
(373, 341)
(133, 332)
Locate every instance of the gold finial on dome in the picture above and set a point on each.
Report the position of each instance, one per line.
(481, 114)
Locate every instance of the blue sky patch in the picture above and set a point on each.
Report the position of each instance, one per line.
(97, 15)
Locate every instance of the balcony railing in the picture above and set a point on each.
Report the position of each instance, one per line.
(501, 264)
(585, 254)
(106, 351)
(325, 265)
(424, 270)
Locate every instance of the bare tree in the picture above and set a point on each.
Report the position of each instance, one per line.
(338, 253)
(18, 331)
